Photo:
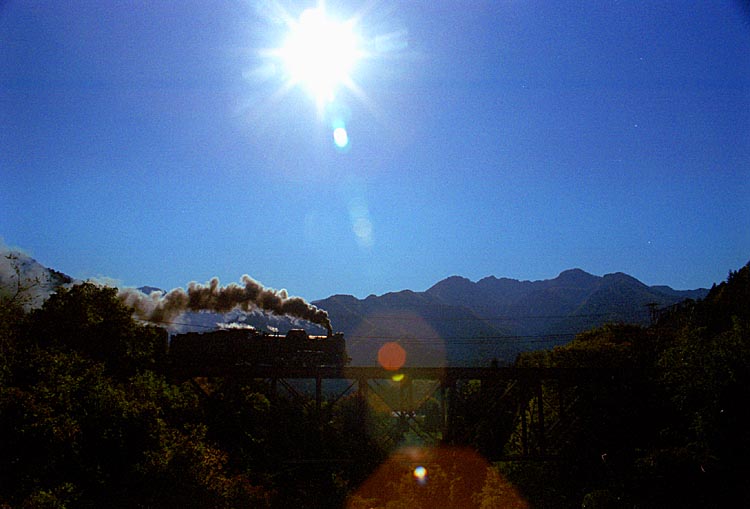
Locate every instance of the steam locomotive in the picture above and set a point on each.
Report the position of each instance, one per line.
(236, 348)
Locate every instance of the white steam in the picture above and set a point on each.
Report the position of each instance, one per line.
(162, 307)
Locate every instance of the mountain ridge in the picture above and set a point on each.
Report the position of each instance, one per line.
(456, 321)
(502, 316)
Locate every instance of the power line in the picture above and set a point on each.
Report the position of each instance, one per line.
(460, 338)
(486, 318)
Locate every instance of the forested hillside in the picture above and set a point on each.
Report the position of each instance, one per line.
(669, 427)
(92, 418)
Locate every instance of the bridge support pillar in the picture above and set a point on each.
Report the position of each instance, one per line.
(406, 395)
(362, 386)
(318, 394)
(448, 408)
(524, 425)
(274, 389)
(363, 402)
(540, 416)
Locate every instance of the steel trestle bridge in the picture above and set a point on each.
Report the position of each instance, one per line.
(537, 413)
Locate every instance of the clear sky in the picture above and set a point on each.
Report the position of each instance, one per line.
(163, 142)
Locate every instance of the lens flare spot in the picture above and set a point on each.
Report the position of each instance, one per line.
(392, 356)
(363, 230)
(407, 465)
(420, 474)
(398, 377)
(340, 137)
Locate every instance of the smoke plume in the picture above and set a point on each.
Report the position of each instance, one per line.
(164, 307)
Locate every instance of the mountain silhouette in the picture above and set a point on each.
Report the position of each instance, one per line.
(461, 322)
(454, 322)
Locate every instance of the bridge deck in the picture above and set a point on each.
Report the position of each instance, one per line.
(446, 374)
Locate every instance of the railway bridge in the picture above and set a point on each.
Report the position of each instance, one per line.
(536, 397)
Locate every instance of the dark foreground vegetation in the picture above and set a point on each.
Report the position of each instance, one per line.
(670, 428)
(90, 418)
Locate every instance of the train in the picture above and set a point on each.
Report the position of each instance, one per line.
(237, 348)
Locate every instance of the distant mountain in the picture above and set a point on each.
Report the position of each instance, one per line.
(419, 321)
(148, 290)
(25, 279)
(455, 322)
(39, 282)
(458, 321)
(682, 294)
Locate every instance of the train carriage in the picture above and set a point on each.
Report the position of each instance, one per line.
(250, 347)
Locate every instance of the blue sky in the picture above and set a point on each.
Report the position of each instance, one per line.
(155, 143)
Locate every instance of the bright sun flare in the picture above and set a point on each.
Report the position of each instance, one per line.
(320, 53)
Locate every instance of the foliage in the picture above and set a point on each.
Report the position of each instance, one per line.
(11, 319)
(91, 320)
(91, 418)
(452, 477)
(663, 420)
(89, 421)
(483, 418)
(108, 443)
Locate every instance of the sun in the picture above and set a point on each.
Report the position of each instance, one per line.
(324, 53)
(320, 53)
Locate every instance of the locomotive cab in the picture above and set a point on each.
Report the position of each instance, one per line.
(297, 335)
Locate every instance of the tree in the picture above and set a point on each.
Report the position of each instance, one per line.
(17, 291)
(605, 417)
(498, 492)
(673, 431)
(91, 320)
(706, 381)
(87, 423)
